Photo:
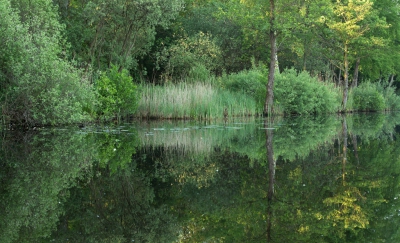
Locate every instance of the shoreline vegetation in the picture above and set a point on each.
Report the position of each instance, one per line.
(242, 95)
(107, 61)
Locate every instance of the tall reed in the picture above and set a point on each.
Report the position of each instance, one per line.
(197, 100)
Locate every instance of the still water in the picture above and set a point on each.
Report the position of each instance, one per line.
(316, 179)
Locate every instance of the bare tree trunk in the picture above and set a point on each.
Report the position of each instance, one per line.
(355, 75)
(391, 80)
(269, 100)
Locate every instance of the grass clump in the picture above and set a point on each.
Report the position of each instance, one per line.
(198, 100)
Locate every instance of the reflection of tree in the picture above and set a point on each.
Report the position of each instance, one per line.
(117, 207)
(85, 183)
(346, 211)
(231, 208)
(271, 174)
(103, 190)
(37, 171)
(118, 202)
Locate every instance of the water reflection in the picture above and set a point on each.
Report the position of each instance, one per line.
(321, 179)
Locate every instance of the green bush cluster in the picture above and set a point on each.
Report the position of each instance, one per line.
(116, 94)
(250, 82)
(299, 93)
(295, 93)
(375, 97)
(246, 81)
(392, 100)
(370, 97)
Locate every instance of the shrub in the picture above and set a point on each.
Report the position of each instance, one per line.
(247, 81)
(392, 101)
(303, 94)
(250, 82)
(366, 97)
(199, 72)
(117, 95)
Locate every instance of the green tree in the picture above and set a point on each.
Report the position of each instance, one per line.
(38, 170)
(382, 62)
(39, 86)
(103, 32)
(349, 23)
(188, 54)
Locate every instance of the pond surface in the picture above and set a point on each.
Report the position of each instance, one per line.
(318, 179)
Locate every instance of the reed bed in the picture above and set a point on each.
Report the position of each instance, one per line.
(202, 101)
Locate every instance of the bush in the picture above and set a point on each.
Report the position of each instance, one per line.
(302, 94)
(392, 101)
(117, 94)
(250, 82)
(366, 97)
(247, 81)
(199, 72)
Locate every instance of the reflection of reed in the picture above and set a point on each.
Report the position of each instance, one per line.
(187, 140)
(189, 153)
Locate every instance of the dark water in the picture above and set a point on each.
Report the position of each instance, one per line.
(319, 179)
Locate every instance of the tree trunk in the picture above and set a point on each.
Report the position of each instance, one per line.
(345, 79)
(391, 80)
(269, 100)
(355, 75)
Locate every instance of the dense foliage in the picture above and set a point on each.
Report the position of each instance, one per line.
(116, 94)
(37, 84)
(54, 54)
